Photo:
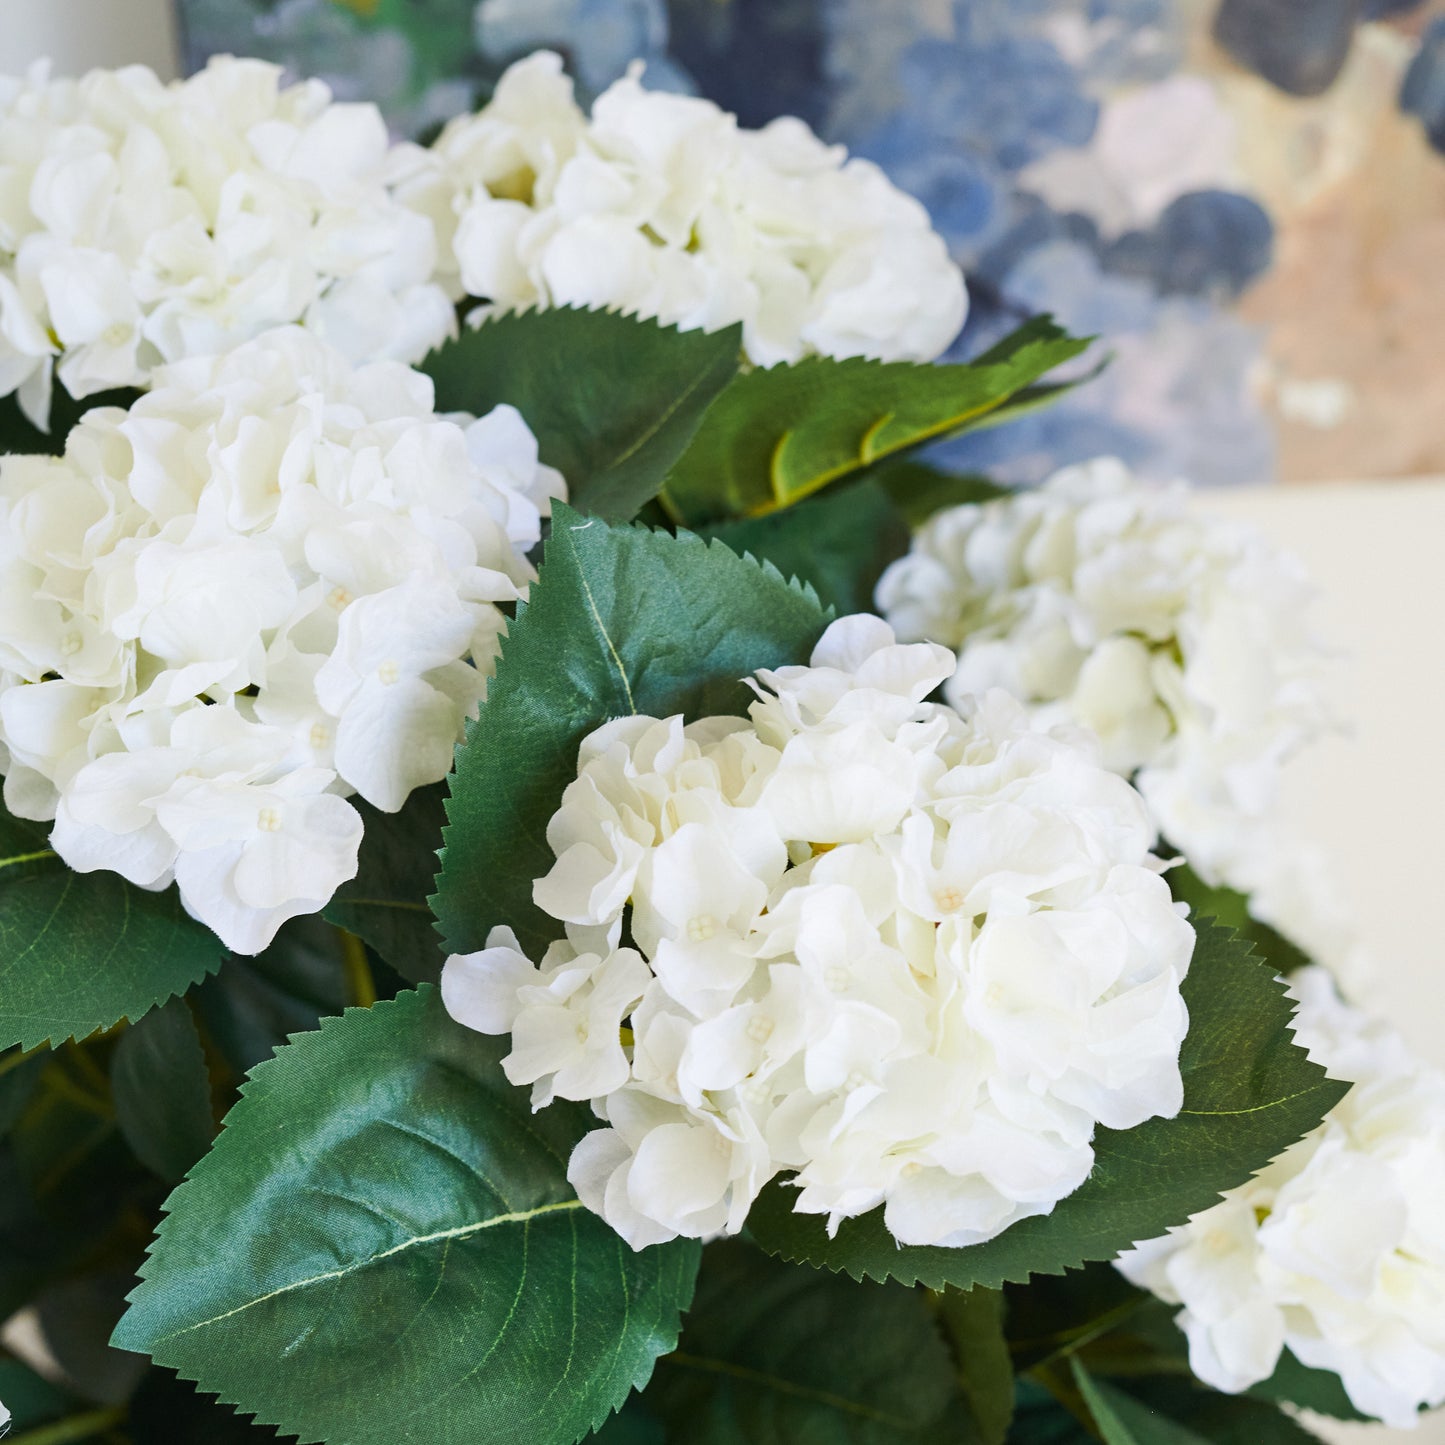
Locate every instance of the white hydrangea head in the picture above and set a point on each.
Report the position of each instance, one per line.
(910, 958)
(663, 205)
(142, 223)
(1182, 642)
(1337, 1250)
(272, 583)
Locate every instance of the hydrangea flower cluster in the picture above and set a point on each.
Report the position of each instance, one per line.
(660, 204)
(1181, 642)
(910, 956)
(142, 223)
(1337, 1250)
(272, 583)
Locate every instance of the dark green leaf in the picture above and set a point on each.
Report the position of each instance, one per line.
(80, 951)
(1319, 1390)
(1249, 1093)
(779, 434)
(623, 620)
(18, 434)
(1122, 1420)
(167, 1410)
(386, 903)
(1231, 909)
(634, 1425)
(773, 1355)
(613, 401)
(253, 1005)
(1039, 1419)
(973, 1320)
(162, 1091)
(1182, 1412)
(19, 1073)
(918, 490)
(383, 1247)
(840, 542)
(1052, 1314)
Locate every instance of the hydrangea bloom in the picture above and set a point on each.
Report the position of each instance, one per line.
(1337, 1250)
(660, 204)
(908, 956)
(272, 583)
(1182, 642)
(141, 223)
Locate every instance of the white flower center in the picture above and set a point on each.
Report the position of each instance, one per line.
(836, 978)
(70, 644)
(760, 1029)
(268, 820)
(117, 334)
(949, 900)
(338, 599)
(389, 673)
(320, 736)
(994, 995)
(701, 928)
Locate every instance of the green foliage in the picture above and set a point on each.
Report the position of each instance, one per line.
(1231, 909)
(382, 1246)
(918, 490)
(622, 621)
(613, 400)
(772, 1355)
(1249, 1092)
(80, 951)
(779, 434)
(19, 1073)
(974, 1322)
(1319, 1390)
(386, 903)
(18, 434)
(839, 542)
(162, 1091)
(1179, 1412)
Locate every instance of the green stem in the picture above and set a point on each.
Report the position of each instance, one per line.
(73, 1427)
(360, 985)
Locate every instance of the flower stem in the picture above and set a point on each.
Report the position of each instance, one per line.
(360, 985)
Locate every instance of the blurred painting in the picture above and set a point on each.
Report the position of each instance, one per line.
(1246, 197)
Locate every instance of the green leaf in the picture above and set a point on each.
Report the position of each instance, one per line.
(1181, 1412)
(1319, 1390)
(779, 434)
(1055, 1314)
(382, 1246)
(1249, 1093)
(773, 1355)
(1122, 1420)
(623, 620)
(17, 434)
(613, 400)
(1039, 1419)
(840, 542)
(973, 1320)
(253, 1005)
(80, 951)
(918, 490)
(1231, 909)
(386, 903)
(162, 1091)
(19, 1073)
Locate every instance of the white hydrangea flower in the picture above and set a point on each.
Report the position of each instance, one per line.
(909, 956)
(272, 583)
(142, 223)
(1337, 1249)
(1181, 642)
(662, 205)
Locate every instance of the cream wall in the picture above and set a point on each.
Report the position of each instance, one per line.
(1375, 799)
(80, 34)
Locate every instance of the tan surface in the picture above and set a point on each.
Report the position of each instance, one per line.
(1376, 799)
(80, 34)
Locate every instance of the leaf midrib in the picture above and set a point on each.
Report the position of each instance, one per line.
(446, 1236)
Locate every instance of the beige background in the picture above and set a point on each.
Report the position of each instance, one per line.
(1376, 799)
(80, 34)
